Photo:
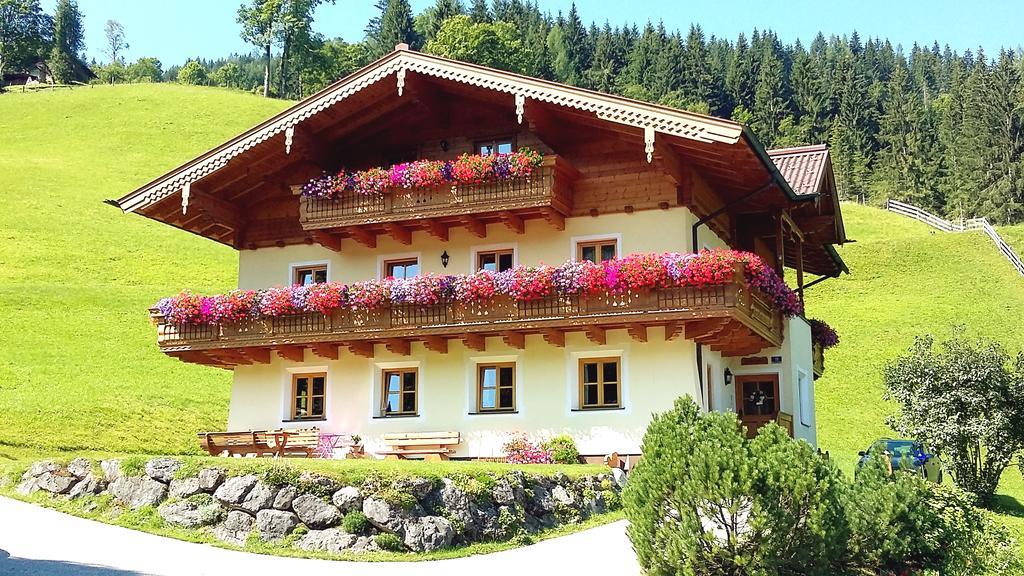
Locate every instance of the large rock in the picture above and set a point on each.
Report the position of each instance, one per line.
(185, 487)
(162, 469)
(39, 468)
(55, 482)
(27, 486)
(111, 469)
(315, 513)
(460, 507)
(428, 533)
(192, 514)
(563, 496)
(508, 490)
(80, 467)
(384, 516)
(317, 483)
(284, 497)
(348, 499)
(235, 528)
(235, 489)
(330, 540)
(619, 477)
(138, 491)
(418, 487)
(541, 502)
(89, 485)
(275, 524)
(210, 479)
(260, 497)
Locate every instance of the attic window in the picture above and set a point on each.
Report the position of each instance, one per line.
(495, 146)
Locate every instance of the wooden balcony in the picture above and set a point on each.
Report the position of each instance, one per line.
(546, 193)
(731, 319)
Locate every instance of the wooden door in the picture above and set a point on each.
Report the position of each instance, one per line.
(757, 400)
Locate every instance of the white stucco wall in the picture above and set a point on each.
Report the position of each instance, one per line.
(654, 374)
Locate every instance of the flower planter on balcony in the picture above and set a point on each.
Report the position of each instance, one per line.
(548, 187)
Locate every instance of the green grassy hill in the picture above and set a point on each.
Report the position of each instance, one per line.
(1014, 236)
(79, 368)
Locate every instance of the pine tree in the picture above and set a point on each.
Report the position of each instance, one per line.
(396, 27)
(479, 12)
(68, 41)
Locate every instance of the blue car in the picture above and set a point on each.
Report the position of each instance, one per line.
(906, 455)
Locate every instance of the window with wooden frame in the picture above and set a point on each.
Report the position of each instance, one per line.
(495, 260)
(402, 268)
(495, 146)
(600, 383)
(597, 251)
(306, 275)
(401, 392)
(309, 396)
(496, 387)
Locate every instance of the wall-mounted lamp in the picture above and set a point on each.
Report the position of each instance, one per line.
(444, 258)
(444, 145)
(728, 376)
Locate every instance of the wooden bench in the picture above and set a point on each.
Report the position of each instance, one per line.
(236, 443)
(430, 445)
(296, 442)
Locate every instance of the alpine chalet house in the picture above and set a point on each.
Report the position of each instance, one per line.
(429, 246)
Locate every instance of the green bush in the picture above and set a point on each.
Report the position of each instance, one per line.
(355, 522)
(563, 450)
(388, 541)
(706, 500)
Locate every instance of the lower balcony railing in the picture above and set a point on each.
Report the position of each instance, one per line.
(735, 305)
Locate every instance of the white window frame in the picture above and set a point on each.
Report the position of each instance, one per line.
(378, 387)
(286, 391)
(293, 266)
(381, 259)
(473, 368)
(573, 381)
(616, 236)
(474, 252)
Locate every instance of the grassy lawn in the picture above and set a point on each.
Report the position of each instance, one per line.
(1014, 236)
(79, 367)
(907, 280)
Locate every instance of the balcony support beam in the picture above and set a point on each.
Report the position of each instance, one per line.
(512, 221)
(514, 339)
(673, 330)
(596, 334)
(400, 233)
(260, 355)
(475, 342)
(326, 350)
(228, 357)
(398, 346)
(555, 218)
(637, 332)
(475, 226)
(361, 348)
(704, 329)
(437, 344)
(327, 240)
(554, 337)
(293, 353)
(436, 229)
(362, 236)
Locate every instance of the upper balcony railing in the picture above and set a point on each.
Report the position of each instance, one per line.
(735, 302)
(548, 187)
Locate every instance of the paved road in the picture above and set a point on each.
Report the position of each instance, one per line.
(36, 540)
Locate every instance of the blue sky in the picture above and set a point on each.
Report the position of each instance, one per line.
(174, 30)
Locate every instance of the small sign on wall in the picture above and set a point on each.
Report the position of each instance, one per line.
(776, 359)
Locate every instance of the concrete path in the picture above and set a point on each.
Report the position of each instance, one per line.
(36, 540)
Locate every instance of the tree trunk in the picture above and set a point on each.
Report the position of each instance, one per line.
(282, 81)
(266, 70)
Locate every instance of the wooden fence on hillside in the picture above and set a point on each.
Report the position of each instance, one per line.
(982, 224)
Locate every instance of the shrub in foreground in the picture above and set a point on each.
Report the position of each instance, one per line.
(563, 450)
(706, 500)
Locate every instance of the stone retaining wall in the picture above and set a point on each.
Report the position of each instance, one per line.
(306, 510)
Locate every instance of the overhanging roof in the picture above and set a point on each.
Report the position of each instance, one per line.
(803, 167)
